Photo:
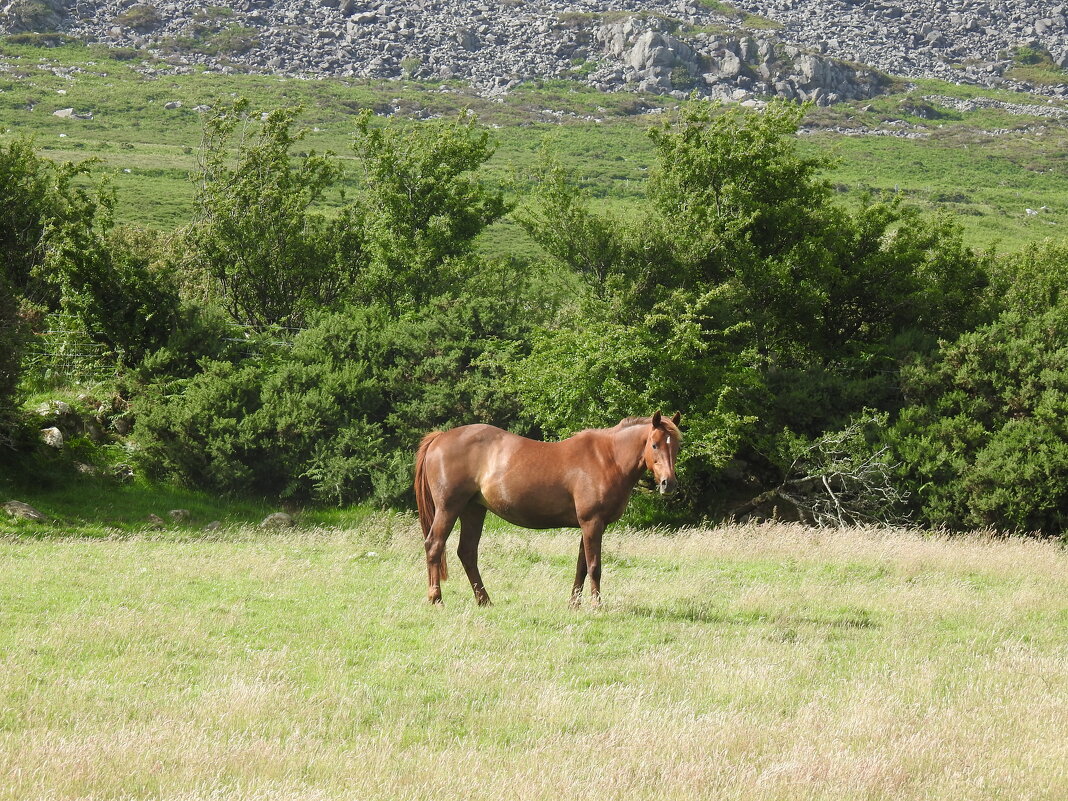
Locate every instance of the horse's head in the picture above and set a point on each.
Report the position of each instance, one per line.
(661, 448)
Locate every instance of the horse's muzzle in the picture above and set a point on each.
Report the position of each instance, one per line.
(668, 486)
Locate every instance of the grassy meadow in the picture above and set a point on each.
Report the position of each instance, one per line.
(741, 662)
(986, 166)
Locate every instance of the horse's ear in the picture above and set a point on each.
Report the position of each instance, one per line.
(676, 419)
(656, 419)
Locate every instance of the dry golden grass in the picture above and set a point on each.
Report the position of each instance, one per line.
(746, 662)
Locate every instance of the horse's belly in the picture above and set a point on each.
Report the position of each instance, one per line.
(531, 509)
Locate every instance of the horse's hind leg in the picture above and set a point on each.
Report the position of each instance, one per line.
(471, 520)
(444, 520)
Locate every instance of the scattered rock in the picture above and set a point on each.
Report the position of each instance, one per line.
(214, 525)
(156, 522)
(24, 511)
(123, 472)
(71, 114)
(52, 437)
(670, 47)
(53, 408)
(179, 515)
(278, 520)
(95, 432)
(172, 105)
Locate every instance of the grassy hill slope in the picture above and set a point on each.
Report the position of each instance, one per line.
(987, 166)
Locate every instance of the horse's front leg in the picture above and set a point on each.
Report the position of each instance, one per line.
(591, 548)
(580, 575)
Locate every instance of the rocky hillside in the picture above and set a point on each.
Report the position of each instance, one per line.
(820, 50)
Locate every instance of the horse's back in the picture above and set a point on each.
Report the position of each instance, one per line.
(525, 481)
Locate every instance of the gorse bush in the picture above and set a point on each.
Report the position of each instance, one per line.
(114, 284)
(333, 418)
(983, 440)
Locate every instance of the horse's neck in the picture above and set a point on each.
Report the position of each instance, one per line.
(628, 450)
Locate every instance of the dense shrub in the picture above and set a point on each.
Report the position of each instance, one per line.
(201, 333)
(304, 354)
(335, 418)
(598, 370)
(422, 205)
(983, 441)
(112, 282)
(44, 204)
(45, 210)
(11, 333)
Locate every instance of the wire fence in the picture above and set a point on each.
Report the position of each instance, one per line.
(64, 355)
(277, 336)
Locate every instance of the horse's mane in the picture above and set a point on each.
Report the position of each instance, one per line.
(630, 422)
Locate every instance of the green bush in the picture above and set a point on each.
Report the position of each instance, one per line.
(337, 417)
(983, 441)
(48, 210)
(256, 243)
(114, 285)
(598, 370)
(422, 205)
(11, 335)
(40, 39)
(44, 202)
(201, 333)
(207, 435)
(141, 18)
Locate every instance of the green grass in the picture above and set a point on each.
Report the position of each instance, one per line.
(734, 663)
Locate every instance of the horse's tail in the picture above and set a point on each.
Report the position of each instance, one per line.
(424, 499)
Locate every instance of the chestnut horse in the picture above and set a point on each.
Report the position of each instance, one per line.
(583, 481)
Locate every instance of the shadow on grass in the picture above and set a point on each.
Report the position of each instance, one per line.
(715, 615)
(95, 505)
(83, 505)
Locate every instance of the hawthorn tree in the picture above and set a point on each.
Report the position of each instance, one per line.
(257, 241)
(422, 204)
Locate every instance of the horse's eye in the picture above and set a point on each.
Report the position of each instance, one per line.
(655, 446)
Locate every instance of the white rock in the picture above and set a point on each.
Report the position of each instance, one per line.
(52, 437)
